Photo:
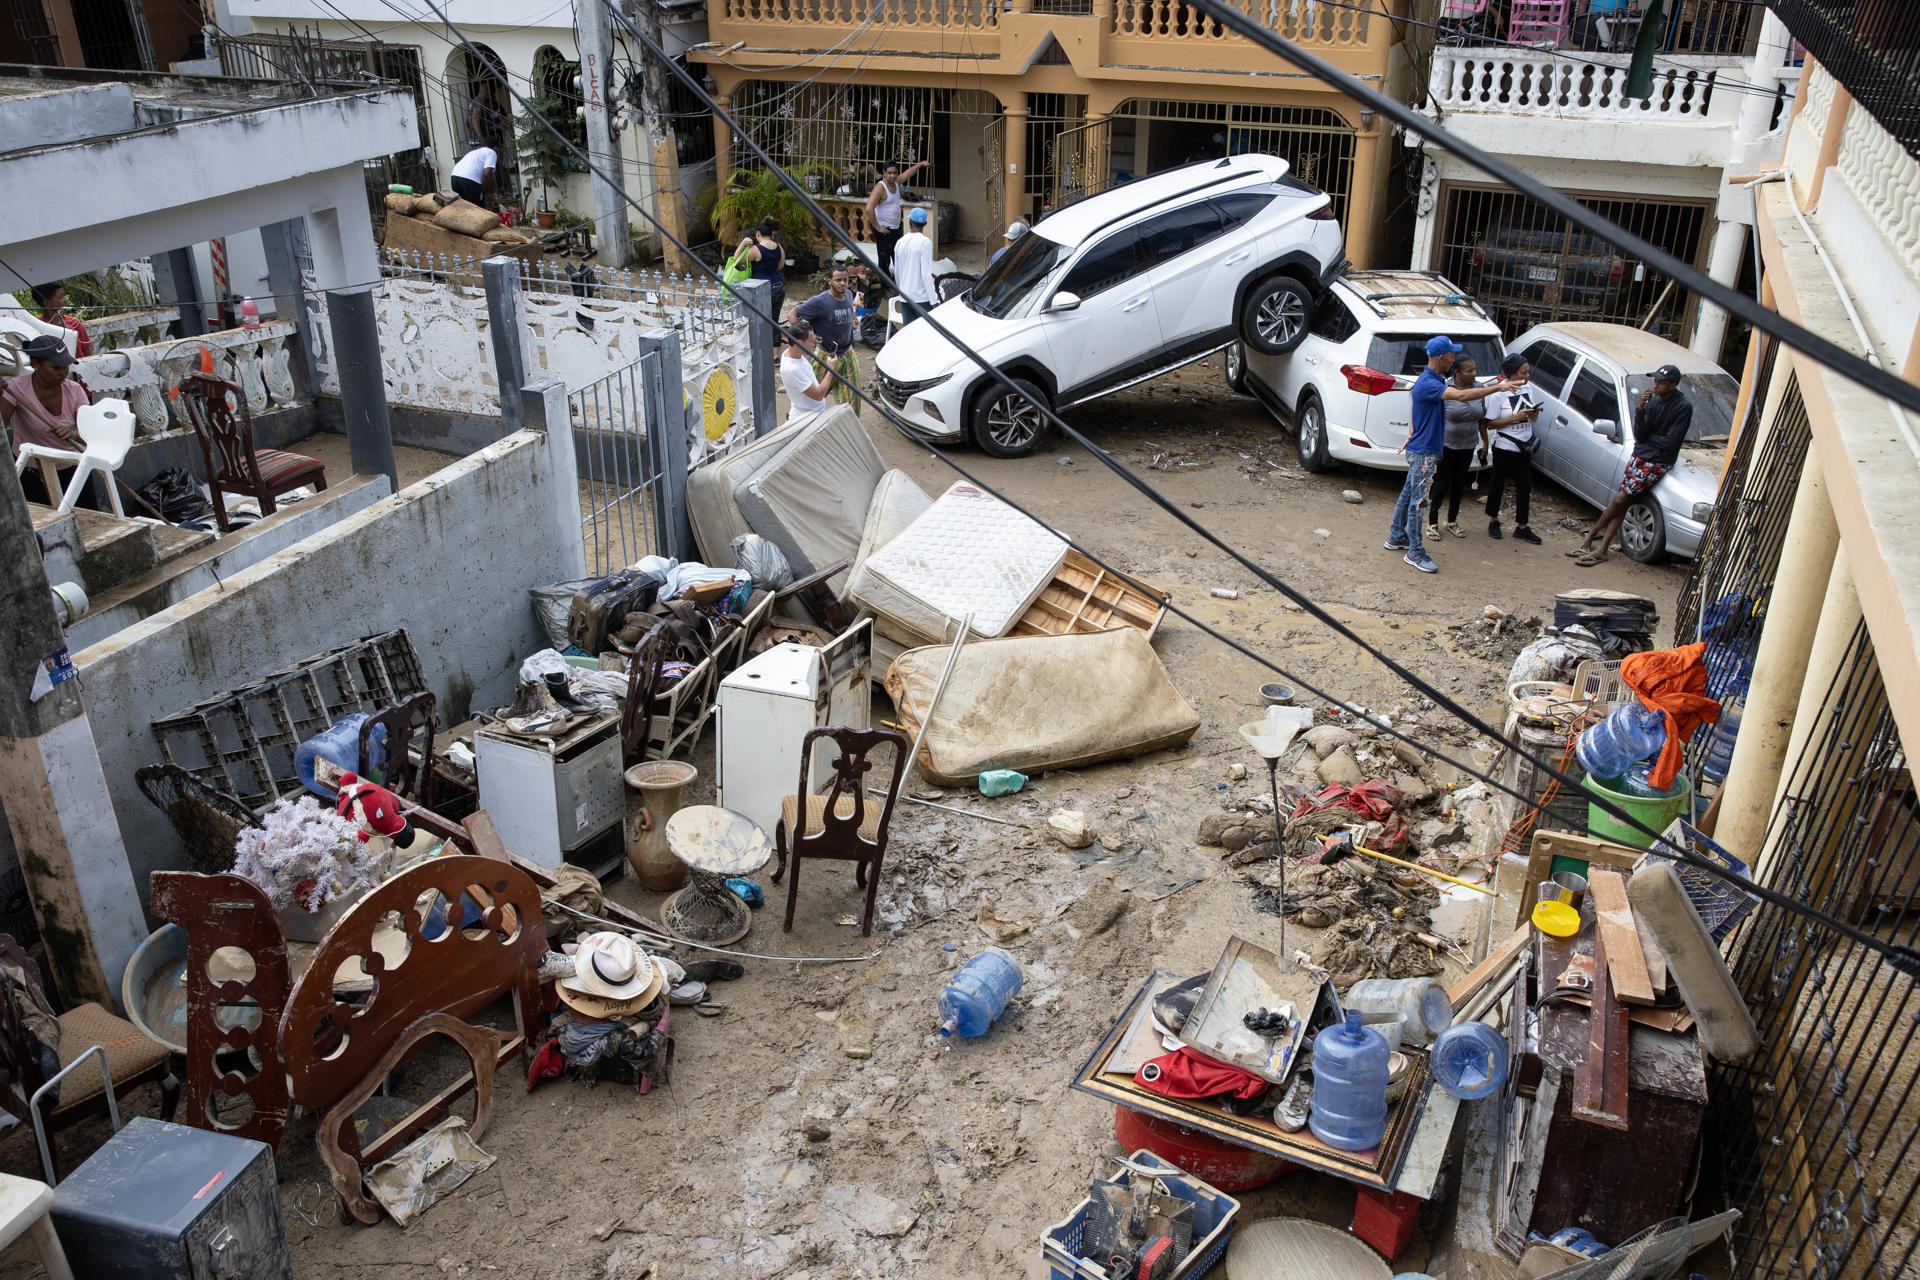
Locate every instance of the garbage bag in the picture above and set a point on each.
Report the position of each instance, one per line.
(765, 563)
(1554, 655)
(176, 495)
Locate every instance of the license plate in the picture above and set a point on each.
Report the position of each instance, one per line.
(1545, 275)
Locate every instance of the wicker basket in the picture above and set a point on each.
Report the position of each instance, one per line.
(207, 822)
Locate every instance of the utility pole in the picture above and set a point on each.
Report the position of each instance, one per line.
(656, 110)
(609, 193)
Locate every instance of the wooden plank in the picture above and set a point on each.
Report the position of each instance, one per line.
(1488, 969)
(486, 840)
(1548, 845)
(1083, 597)
(1626, 966)
(1600, 1081)
(1654, 954)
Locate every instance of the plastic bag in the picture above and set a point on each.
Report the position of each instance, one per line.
(1554, 656)
(552, 605)
(765, 563)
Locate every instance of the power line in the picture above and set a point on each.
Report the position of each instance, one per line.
(1906, 959)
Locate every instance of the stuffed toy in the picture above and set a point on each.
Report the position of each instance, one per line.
(377, 811)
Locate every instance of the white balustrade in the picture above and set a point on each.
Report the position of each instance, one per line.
(1884, 177)
(147, 376)
(1519, 82)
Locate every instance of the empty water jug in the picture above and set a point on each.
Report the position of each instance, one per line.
(1421, 1003)
(978, 993)
(1469, 1061)
(1628, 735)
(1350, 1064)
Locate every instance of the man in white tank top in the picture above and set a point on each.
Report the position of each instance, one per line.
(883, 209)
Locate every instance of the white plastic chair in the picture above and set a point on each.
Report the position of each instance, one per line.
(107, 430)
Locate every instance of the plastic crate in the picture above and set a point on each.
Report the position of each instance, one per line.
(1721, 905)
(1213, 1215)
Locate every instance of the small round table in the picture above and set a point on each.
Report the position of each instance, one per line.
(715, 844)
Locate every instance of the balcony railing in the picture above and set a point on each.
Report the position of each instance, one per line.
(1873, 48)
(961, 15)
(1546, 84)
(1301, 21)
(1725, 28)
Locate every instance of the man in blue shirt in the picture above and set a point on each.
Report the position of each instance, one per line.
(1424, 444)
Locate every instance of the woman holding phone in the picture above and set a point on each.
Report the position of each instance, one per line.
(1510, 418)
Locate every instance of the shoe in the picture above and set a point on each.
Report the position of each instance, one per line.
(1291, 1113)
(1421, 561)
(1453, 527)
(715, 970)
(1433, 531)
(1493, 529)
(1527, 535)
(1391, 545)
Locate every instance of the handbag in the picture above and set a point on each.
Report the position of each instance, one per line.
(735, 270)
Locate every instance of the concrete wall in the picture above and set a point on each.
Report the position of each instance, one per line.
(450, 559)
(66, 114)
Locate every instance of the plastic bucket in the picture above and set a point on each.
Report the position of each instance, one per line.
(1652, 812)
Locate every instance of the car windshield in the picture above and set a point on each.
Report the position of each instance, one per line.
(1406, 353)
(1020, 270)
(1714, 396)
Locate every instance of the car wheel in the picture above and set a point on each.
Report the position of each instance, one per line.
(1643, 531)
(1236, 366)
(1006, 425)
(1276, 315)
(1312, 440)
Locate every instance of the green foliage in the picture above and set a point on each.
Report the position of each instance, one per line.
(543, 157)
(92, 296)
(754, 194)
(566, 219)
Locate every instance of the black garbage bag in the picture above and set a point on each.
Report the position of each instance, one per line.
(176, 495)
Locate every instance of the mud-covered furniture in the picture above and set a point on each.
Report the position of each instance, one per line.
(844, 823)
(406, 723)
(223, 425)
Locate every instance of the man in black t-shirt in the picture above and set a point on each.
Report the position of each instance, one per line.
(1660, 425)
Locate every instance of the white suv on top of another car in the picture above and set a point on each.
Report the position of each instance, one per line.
(1115, 289)
(1346, 386)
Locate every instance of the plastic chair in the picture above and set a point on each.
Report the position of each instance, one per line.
(1539, 21)
(107, 430)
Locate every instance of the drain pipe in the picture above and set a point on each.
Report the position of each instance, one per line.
(69, 602)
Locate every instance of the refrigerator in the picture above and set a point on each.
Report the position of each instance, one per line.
(768, 705)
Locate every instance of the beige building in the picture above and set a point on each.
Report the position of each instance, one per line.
(1020, 105)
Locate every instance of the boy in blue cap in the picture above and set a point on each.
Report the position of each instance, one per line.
(1424, 444)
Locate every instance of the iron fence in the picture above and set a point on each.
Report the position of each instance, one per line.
(1528, 265)
(1814, 1135)
(621, 472)
(1727, 28)
(1873, 48)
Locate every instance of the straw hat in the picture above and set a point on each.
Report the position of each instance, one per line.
(611, 977)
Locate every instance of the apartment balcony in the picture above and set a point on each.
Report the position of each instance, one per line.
(1111, 38)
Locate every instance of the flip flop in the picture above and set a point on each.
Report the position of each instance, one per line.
(1582, 550)
(1589, 560)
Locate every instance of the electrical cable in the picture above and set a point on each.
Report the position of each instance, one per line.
(661, 938)
(1905, 959)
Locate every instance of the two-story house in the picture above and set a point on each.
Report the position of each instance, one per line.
(1020, 105)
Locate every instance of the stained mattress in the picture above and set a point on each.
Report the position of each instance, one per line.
(968, 553)
(810, 498)
(1039, 702)
(716, 517)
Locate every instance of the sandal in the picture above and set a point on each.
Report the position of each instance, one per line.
(1453, 527)
(1592, 558)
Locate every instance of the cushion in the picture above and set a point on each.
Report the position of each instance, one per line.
(277, 465)
(129, 1052)
(817, 815)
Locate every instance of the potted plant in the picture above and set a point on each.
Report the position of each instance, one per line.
(310, 862)
(754, 194)
(543, 158)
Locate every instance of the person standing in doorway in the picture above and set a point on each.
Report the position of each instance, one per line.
(1424, 444)
(1510, 418)
(51, 300)
(1660, 424)
(808, 383)
(473, 175)
(913, 263)
(884, 211)
(830, 313)
(767, 259)
(1466, 435)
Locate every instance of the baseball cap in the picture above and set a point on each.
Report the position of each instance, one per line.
(1443, 347)
(1016, 228)
(1666, 373)
(917, 216)
(46, 348)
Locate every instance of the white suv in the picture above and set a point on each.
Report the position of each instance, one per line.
(1345, 387)
(1115, 289)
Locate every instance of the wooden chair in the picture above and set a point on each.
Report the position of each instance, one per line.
(844, 822)
(223, 425)
(133, 1060)
(406, 722)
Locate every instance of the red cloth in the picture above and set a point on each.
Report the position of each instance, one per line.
(1674, 682)
(1373, 800)
(1186, 1074)
(546, 1065)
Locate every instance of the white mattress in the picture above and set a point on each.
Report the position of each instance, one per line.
(968, 553)
(810, 499)
(897, 503)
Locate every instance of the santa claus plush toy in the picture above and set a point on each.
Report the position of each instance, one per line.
(377, 811)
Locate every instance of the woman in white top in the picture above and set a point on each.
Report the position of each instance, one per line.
(1510, 419)
(883, 209)
(807, 381)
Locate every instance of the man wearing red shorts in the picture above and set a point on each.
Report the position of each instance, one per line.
(1660, 426)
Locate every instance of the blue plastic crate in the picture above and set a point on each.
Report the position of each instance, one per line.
(1721, 905)
(1213, 1215)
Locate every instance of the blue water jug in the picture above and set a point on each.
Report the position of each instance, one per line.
(1720, 741)
(1628, 735)
(340, 744)
(1469, 1061)
(978, 993)
(1349, 1110)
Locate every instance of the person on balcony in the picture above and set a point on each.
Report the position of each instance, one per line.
(51, 299)
(884, 209)
(42, 407)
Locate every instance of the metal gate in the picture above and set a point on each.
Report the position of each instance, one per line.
(1082, 161)
(993, 162)
(1048, 116)
(1316, 142)
(1528, 265)
(623, 509)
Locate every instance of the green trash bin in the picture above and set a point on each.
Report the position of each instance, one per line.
(1653, 812)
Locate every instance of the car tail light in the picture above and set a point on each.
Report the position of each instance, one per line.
(1324, 213)
(1368, 382)
(1617, 272)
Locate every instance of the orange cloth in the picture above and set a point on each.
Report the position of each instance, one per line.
(1673, 681)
